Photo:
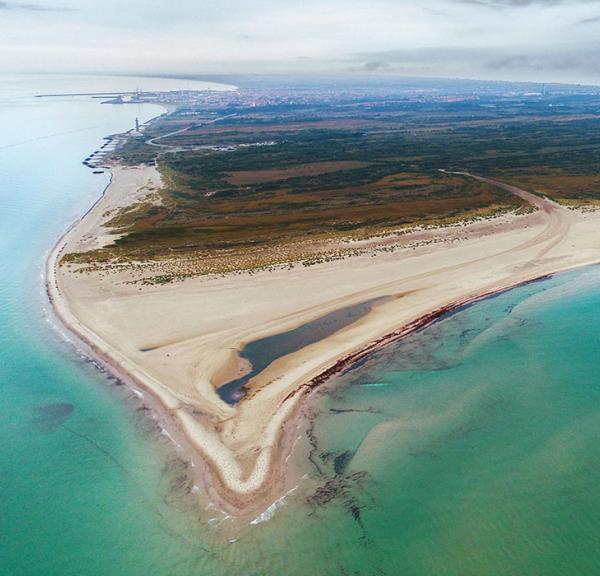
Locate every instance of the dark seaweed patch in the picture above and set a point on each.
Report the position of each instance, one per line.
(341, 461)
(338, 488)
(369, 410)
(48, 417)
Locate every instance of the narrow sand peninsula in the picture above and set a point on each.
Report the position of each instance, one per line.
(181, 341)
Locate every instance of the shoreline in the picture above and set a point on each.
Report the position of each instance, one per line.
(164, 418)
(103, 361)
(146, 396)
(224, 479)
(202, 470)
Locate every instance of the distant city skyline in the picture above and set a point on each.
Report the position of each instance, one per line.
(537, 40)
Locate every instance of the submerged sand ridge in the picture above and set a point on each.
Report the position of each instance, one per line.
(182, 341)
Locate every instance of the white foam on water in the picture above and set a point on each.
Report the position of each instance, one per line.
(374, 385)
(270, 511)
(292, 449)
(216, 522)
(165, 433)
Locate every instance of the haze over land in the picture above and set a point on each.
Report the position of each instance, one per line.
(543, 40)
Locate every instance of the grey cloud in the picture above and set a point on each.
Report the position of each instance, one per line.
(585, 63)
(507, 39)
(454, 60)
(410, 56)
(502, 4)
(592, 20)
(33, 7)
(536, 63)
(375, 66)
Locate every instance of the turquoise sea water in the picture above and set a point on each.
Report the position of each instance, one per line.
(83, 481)
(469, 448)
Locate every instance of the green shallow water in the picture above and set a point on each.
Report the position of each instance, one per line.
(469, 448)
(480, 439)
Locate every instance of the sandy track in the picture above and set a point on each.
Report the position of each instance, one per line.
(558, 218)
(172, 148)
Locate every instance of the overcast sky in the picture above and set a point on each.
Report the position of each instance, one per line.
(546, 40)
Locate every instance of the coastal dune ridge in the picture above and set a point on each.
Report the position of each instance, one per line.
(181, 342)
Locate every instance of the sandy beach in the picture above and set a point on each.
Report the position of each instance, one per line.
(181, 341)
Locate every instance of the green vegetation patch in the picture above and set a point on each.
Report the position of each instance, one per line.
(263, 182)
